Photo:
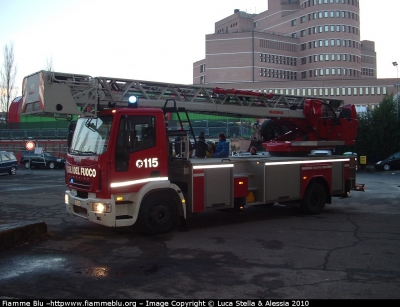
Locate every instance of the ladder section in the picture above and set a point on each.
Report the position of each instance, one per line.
(57, 94)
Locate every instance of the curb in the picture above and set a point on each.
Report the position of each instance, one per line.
(13, 233)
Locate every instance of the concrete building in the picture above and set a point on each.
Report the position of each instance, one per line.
(296, 47)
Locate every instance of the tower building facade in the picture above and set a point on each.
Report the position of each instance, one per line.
(300, 47)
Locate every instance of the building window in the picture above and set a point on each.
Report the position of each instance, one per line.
(293, 22)
(202, 67)
(333, 71)
(339, 71)
(337, 91)
(202, 79)
(326, 14)
(372, 90)
(361, 91)
(378, 90)
(327, 71)
(326, 57)
(332, 57)
(326, 28)
(343, 91)
(321, 57)
(332, 28)
(303, 19)
(349, 91)
(326, 42)
(366, 91)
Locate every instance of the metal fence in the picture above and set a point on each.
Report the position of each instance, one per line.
(53, 133)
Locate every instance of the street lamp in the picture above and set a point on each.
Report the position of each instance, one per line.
(397, 89)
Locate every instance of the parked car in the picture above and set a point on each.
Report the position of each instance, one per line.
(31, 159)
(8, 163)
(391, 162)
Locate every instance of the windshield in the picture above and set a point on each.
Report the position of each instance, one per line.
(91, 135)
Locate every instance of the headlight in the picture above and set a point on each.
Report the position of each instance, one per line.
(66, 199)
(101, 207)
(379, 162)
(58, 160)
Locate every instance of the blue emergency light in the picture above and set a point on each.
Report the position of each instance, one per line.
(133, 101)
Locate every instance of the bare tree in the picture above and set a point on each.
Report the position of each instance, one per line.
(8, 71)
(49, 64)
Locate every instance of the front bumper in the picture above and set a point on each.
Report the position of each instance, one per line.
(83, 208)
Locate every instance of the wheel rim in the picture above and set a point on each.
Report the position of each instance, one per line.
(26, 164)
(51, 165)
(315, 199)
(386, 167)
(13, 171)
(160, 214)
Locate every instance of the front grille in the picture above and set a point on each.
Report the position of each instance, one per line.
(86, 185)
(82, 194)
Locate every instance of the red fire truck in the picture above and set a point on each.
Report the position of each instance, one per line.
(123, 165)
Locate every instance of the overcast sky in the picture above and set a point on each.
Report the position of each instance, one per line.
(148, 40)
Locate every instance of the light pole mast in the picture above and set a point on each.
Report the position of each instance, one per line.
(397, 89)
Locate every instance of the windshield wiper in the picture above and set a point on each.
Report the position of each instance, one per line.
(81, 152)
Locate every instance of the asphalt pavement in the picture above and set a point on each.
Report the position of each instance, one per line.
(348, 251)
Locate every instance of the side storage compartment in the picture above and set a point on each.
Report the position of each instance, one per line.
(282, 182)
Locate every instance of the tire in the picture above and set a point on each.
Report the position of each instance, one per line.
(386, 167)
(26, 164)
(52, 165)
(158, 214)
(13, 170)
(314, 199)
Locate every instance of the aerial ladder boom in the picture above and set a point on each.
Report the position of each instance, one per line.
(295, 121)
(60, 94)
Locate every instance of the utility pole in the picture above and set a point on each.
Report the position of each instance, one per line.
(397, 90)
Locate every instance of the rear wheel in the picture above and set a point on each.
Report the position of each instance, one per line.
(13, 170)
(386, 167)
(314, 199)
(157, 214)
(52, 165)
(26, 164)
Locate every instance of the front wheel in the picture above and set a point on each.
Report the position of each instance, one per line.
(13, 170)
(26, 165)
(157, 214)
(386, 167)
(314, 199)
(52, 165)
